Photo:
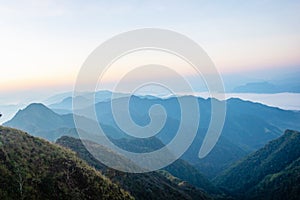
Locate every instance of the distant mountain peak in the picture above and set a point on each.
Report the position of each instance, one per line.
(35, 109)
(36, 117)
(34, 106)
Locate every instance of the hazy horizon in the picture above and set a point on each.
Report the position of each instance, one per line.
(44, 43)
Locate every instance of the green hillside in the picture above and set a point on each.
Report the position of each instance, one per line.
(282, 185)
(269, 173)
(152, 185)
(179, 168)
(32, 168)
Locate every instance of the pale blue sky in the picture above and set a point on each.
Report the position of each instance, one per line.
(42, 41)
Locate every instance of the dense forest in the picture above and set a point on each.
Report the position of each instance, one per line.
(32, 168)
(272, 172)
(153, 185)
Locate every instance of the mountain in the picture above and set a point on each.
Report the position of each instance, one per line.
(267, 88)
(273, 172)
(276, 117)
(220, 158)
(238, 112)
(57, 98)
(285, 83)
(281, 185)
(64, 105)
(248, 126)
(32, 168)
(258, 87)
(151, 185)
(187, 172)
(38, 119)
(180, 168)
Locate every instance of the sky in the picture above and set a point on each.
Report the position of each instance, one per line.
(43, 43)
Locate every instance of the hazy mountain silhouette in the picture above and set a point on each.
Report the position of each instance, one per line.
(248, 126)
(64, 104)
(285, 82)
(38, 119)
(290, 84)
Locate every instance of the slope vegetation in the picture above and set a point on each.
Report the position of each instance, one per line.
(152, 185)
(32, 168)
(272, 172)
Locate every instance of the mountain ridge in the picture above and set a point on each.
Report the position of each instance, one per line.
(32, 168)
(246, 177)
(150, 185)
(248, 126)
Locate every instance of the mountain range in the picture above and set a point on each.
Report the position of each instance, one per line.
(32, 168)
(248, 127)
(282, 84)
